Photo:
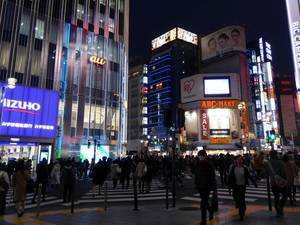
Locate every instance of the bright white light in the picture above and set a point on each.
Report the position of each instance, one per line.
(216, 86)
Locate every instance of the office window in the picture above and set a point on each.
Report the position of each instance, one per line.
(257, 104)
(111, 27)
(25, 24)
(34, 81)
(39, 29)
(80, 11)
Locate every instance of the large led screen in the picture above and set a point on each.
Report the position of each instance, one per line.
(28, 112)
(217, 86)
(88, 153)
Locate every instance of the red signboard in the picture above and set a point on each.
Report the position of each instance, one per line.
(204, 124)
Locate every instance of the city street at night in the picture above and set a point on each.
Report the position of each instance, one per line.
(161, 112)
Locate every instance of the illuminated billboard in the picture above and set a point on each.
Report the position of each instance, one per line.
(28, 112)
(294, 27)
(216, 86)
(88, 153)
(231, 38)
(176, 33)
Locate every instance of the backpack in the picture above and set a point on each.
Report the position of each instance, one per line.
(278, 180)
(3, 183)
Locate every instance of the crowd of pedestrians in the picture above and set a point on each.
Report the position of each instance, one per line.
(235, 172)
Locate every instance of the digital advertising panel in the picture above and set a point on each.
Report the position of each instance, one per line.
(231, 38)
(216, 86)
(28, 112)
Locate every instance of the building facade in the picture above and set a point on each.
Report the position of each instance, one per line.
(263, 95)
(137, 109)
(217, 100)
(174, 56)
(80, 49)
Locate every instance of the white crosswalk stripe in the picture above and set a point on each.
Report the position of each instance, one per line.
(50, 200)
(253, 194)
(157, 192)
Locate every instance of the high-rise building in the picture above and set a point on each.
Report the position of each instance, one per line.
(174, 56)
(80, 49)
(263, 92)
(137, 109)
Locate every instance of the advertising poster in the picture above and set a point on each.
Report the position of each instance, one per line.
(28, 112)
(191, 88)
(191, 125)
(231, 38)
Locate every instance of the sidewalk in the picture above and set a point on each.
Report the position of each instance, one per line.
(153, 214)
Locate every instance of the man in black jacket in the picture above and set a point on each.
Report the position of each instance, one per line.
(205, 181)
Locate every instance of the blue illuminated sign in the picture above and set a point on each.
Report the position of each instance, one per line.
(28, 112)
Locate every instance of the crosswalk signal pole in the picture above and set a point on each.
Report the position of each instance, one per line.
(135, 193)
(269, 193)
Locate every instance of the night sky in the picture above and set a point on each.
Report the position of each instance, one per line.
(267, 18)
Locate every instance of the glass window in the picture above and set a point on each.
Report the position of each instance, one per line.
(145, 110)
(112, 4)
(257, 103)
(39, 29)
(145, 131)
(101, 20)
(102, 2)
(25, 23)
(145, 120)
(111, 25)
(80, 11)
(91, 15)
(121, 5)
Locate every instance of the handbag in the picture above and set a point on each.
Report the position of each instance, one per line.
(278, 180)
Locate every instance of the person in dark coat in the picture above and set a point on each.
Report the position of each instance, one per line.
(239, 177)
(126, 168)
(205, 181)
(42, 176)
(68, 180)
(275, 167)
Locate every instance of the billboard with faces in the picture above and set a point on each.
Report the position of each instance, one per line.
(231, 38)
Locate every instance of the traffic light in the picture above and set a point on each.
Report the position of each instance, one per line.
(272, 136)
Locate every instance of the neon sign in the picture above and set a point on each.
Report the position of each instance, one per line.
(97, 60)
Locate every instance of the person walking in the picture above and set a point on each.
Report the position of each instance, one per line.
(205, 181)
(55, 175)
(68, 180)
(275, 169)
(141, 170)
(4, 185)
(114, 172)
(41, 178)
(19, 181)
(238, 178)
(291, 173)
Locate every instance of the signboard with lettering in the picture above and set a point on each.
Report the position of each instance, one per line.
(204, 124)
(293, 12)
(97, 60)
(212, 104)
(28, 112)
(220, 141)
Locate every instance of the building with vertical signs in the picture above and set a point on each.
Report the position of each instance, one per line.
(80, 49)
(265, 108)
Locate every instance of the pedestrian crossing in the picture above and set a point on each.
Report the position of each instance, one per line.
(50, 200)
(253, 194)
(157, 192)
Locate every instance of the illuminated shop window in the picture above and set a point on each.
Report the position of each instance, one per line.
(39, 29)
(80, 11)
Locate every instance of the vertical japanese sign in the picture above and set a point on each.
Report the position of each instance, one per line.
(204, 124)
